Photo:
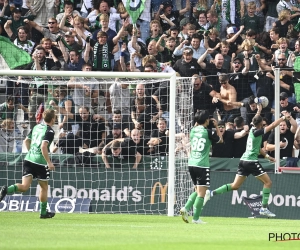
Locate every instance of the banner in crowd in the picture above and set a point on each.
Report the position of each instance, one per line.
(135, 8)
(11, 56)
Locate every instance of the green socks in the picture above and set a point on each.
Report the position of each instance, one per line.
(12, 189)
(43, 206)
(223, 189)
(190, 201)
(265, 197)
(198, 205)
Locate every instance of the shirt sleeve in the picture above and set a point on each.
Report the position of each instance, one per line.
(154, 134)
(92, 16)
(175, 66)
(49, 135)
(108, 151)
(115, 17)
(271, 139)
(178, 52)
(62, 142)
(213, 136)
(258, 132)
(92, 42)
(133, 107)
(29, 136)
(2, 107)
(31, 17)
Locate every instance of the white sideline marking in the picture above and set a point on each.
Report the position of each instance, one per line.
(104, 225)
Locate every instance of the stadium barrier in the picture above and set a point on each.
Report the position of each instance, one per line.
(148, 162)
(123, 190)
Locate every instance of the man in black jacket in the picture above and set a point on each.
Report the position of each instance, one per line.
(187, 66)
(68, 143)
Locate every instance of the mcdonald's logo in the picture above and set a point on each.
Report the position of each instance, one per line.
(162, 189)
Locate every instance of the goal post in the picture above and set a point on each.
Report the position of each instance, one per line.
(171, 77)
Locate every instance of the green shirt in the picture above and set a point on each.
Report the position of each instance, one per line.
(5, 113)
(37, 135)
(272, 12)
(251, 23)
(17, 23)
(253, 145)
(201, 140)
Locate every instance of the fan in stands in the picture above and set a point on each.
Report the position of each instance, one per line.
(264, 101)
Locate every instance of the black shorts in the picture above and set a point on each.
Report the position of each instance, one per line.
(250, 167)
(200, 176)
(40, 172)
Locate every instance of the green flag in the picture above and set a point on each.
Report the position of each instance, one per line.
(11, 55)
(135, 8)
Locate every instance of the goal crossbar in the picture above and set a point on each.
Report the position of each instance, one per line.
(87, 74)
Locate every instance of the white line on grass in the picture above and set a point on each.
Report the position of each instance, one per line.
(102, 225)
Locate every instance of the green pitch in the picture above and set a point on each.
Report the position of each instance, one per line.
(20, 230)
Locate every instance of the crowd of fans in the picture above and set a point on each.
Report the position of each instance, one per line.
(229, 49)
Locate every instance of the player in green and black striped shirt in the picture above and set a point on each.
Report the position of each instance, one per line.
(37, 162)
(201, 139)
(249, 163)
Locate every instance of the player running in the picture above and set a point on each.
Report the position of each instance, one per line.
(249, 163)
(201, 139)
(37, 162)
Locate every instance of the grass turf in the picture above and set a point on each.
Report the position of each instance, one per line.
(141, 232)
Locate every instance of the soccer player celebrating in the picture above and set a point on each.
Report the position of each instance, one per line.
(249, 163)
(37, 162)
(201, 139)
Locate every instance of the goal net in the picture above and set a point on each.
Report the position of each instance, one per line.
(149, 114)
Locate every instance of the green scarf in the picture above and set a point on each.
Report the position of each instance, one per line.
(297, 26)
(228, 11)
(237, 10)
(105, 61)
(219, 25)
(158, 68)
(218, 8)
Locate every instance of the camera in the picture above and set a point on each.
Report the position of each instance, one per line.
(189, 41)
(204, 32)
(167, 33)
(211, 124)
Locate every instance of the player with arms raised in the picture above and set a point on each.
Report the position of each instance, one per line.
(37, 162)
(201, 139)
(249, 163)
